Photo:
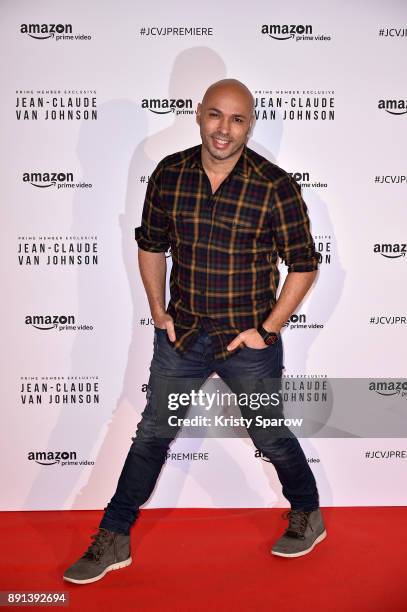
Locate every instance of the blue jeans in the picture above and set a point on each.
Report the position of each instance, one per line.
(148, 452)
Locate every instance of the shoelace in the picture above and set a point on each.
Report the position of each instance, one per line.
(97, 548)
(298, 521)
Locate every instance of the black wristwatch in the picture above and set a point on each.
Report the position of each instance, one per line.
(268, 337)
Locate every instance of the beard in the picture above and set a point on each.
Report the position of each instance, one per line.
(220, 154)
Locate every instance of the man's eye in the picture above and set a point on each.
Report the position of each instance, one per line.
(213, 114)
(238, 119)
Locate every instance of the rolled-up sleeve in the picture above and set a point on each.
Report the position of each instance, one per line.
(152, 235)
(291, 227)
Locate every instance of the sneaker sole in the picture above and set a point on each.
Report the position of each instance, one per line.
(114, 566)
(302, 552)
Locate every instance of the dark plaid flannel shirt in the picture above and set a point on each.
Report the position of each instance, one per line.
(224, 246)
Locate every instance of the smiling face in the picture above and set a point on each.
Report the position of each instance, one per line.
(225, 118)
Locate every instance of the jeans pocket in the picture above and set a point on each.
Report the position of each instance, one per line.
(261, 350)
(160, 329)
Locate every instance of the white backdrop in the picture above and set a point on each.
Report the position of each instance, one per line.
(73, 308)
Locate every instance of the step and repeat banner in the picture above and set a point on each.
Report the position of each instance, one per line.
(94, 95)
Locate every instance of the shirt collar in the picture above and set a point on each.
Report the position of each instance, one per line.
(241, 167)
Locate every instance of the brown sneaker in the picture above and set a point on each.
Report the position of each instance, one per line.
(108, 551)
(305, 530)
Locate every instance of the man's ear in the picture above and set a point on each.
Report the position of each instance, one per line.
(251, 126)
(198, 113)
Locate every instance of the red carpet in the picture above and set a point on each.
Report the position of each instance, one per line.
(199, 559)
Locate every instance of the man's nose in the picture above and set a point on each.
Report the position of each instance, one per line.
(224, 126)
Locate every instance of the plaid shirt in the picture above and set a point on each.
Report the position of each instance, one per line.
(224, 245)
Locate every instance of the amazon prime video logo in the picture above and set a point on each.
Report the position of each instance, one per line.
(55, 31)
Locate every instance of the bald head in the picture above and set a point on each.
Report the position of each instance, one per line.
(231, 87)
(225, 117)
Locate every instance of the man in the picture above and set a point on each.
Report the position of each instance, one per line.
(227, 214)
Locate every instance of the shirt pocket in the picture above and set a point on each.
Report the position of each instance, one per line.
(238, 233)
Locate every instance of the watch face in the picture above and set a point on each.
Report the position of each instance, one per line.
(271, 339)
